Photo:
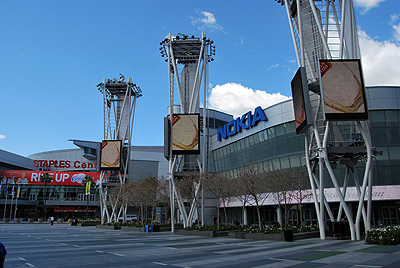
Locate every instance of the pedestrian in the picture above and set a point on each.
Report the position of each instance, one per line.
(3, 253)
(52, 220)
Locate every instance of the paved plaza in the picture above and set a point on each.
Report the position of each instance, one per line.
(62, 245)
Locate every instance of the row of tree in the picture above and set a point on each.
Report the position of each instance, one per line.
(251, 186)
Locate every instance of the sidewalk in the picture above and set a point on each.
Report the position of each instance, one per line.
(62, 245)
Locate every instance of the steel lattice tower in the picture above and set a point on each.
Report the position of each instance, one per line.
(119, 101)
(187, 58)
(326, 29)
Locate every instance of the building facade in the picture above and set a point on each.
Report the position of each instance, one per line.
(274, 145)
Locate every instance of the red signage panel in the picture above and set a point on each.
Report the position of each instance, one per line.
(59, 177)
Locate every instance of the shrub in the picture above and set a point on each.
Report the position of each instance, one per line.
(384, 236)
(271, 229)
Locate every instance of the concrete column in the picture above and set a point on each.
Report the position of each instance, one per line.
(279, 215)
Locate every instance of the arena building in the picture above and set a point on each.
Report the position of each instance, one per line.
(22, 195)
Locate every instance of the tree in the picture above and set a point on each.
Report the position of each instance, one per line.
(45, 178)
(240, 191)
(254, 183)
(164, 196)
(151, 190)
(280, 182)
(301, 185)
(218, 185)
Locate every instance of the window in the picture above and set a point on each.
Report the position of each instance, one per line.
(294, 161)
(280, 131)
(392, 118)
(378, 118)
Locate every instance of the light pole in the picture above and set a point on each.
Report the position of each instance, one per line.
(87, 182)
(45, 177)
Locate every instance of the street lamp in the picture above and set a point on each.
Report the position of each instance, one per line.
(87, 182)
(45, 178)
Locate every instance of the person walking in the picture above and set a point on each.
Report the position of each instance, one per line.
(3, 253)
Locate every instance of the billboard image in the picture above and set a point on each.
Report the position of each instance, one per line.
(111, 154)
(301, 101)
(186, 134)
(31, 177)
(343, 91)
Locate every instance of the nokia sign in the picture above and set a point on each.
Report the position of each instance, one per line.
(247, 120)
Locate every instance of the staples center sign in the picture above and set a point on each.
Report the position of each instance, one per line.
(246, 121)
(64, 164)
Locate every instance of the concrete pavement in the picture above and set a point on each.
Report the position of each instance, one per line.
(62, 245)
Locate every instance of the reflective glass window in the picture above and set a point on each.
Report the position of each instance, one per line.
(393, 135)
(391, 117)
(265, 132)
(271, 133)
(294, 161)
(261, 136)
(292, 144)
(250, 140)
(285, 162)
(394, 154)
(383, 173)
(280, 131)
(276, 164)
(378, 118)
(395, 171)
(379, 135)
(282, 147)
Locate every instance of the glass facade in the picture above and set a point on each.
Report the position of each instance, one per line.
(274, 148)
(385, 128)
(279, 147)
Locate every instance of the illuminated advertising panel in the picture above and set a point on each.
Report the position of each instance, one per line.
(186, 134)
(31, 177)
(111, 154)
(301, 101)
(343, 92)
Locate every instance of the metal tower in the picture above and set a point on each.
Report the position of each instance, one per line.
(119, 101)
(187, 58)
(326, 29)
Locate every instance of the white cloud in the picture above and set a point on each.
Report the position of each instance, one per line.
(2, 137)
(367, 4)
(206, 21)
(381, 61)
(396, 32)
(236, 99)
(273, 66)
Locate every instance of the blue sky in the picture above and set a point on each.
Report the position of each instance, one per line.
(54, 53)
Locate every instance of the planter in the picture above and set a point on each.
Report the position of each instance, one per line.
(30, 220)
(40, 220)
(201, 233)
(236, 234)
(306, 235)
(6, 220)
(60, 220)
(165, 229)
(17, 220)
(261, 236)
(132, 229)
(89, 223)
(108, 227)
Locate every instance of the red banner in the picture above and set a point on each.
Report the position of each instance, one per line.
(59, 177)
(73, 209)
